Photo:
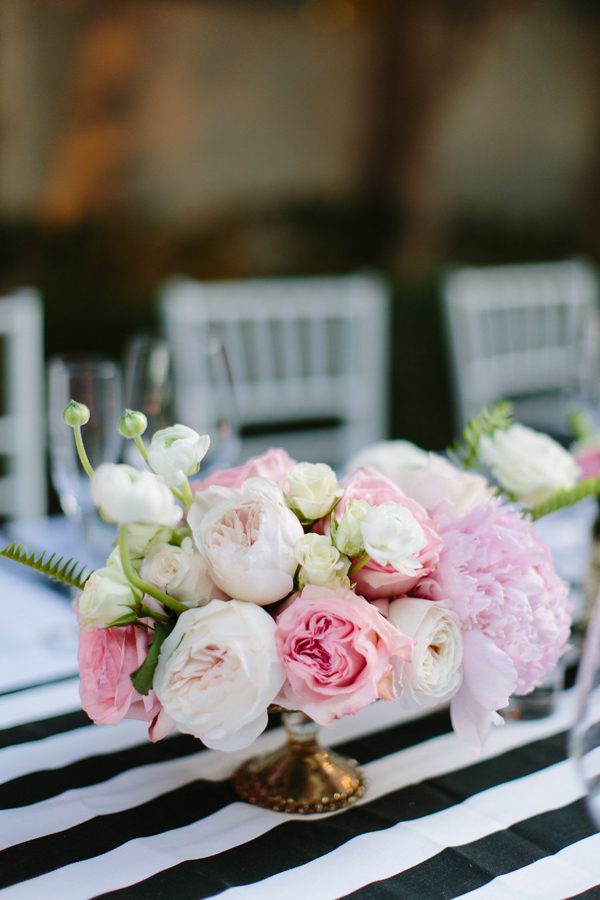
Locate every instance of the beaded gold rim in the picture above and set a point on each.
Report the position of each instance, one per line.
(300, 780)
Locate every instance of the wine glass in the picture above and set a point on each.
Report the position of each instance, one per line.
(95, 382)
(148, 386)
(585, 734)
(225, 444)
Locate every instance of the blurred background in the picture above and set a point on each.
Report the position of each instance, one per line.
(228, 139)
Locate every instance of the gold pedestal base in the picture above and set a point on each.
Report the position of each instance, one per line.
(301, 777)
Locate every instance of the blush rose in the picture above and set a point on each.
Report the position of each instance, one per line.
(338, 653)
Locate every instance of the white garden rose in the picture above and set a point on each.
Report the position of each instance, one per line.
(218, 671)
(176, 452)
(428, 478)
(320, 562)
(106, 596)
(314, 490)
(390, 458)
(434, 673)
(181, 573)
(124, 494)
(392, 536)
(348, 536)
(528, 464)
(248, 541)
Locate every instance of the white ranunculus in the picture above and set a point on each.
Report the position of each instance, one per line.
(248, 541)
(218, 671)
(314, 490)
(106, 596)
(528, 464)
(392, 536)
(434, 673)
(124, 494)
(177, 452)
(348, 537)
(320, 562)
(181, 573)
(428, 478)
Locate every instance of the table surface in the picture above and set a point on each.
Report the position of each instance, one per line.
(92, 811)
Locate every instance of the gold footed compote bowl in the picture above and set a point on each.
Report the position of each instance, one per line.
(301, 777)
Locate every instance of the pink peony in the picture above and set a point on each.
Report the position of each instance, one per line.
(498, 577)
(338, 653)
(375, 581)
(107, 657)
(274, 464)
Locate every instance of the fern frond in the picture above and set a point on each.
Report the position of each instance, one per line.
(465, 452)
(68, 571)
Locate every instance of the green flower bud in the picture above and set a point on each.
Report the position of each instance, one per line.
(132, 423)
(75, 414)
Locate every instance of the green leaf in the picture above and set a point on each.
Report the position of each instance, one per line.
(465, 452)
(126, 619)
(142, 678)
(68, 571)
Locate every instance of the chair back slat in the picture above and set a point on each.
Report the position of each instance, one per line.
(518, 330)
(22, 423)
(306, 349)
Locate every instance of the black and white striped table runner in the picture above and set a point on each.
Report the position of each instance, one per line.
(90, 811)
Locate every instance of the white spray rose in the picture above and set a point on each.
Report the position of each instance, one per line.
(320, 562)
(428, 478)
(181, 573)
(248, 541)
(392, 536)
(348, 537)
(124, 494)
(434, 673)
(528, 464)
(106, 596)
(218, 671)
(177, 452)
(314, 490)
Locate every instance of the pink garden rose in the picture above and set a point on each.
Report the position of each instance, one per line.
(376, 581)
(107, 657)
(274, 464)
(499, 579)
(338, 653)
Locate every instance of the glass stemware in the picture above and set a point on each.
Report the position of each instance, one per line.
(585, 735)
(97, 383)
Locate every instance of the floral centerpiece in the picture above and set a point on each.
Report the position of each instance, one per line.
(412, 579)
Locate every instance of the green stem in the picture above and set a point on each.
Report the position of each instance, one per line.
(186, 493)
(142, 448)
(138, 583)
(83, 457)
(360, 562)
(565, 497)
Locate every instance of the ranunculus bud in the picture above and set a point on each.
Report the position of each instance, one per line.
(314, 490)
(124, 494)
(76, 414)
(176, 452)
(107, 595)
(348, 537)
(132, 423)
(320, 562)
